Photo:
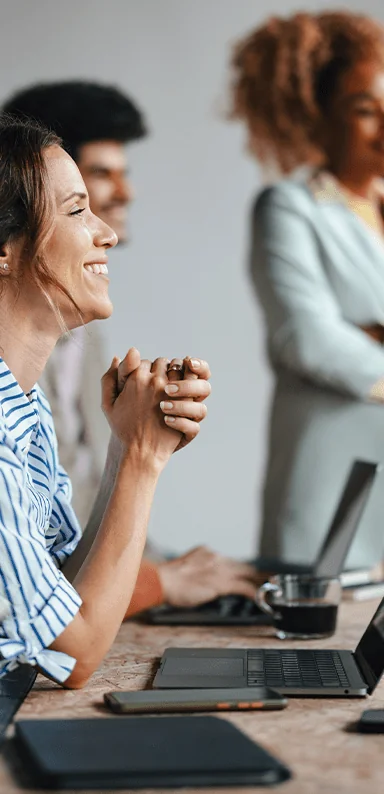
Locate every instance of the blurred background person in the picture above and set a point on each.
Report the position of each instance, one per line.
(96, 122)
(310, 90)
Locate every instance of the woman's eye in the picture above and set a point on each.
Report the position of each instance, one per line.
(77, 212)
(365, 111)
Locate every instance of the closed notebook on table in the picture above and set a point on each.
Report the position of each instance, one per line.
(143, 752)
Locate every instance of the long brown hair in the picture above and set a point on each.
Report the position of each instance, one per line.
(27, 208)
(284, 74)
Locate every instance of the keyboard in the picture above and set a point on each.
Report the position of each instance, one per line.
(292, 668)
(230, 610)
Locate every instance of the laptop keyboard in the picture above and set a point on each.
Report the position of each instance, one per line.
(231, 606)
(230, 610)
(296, 669)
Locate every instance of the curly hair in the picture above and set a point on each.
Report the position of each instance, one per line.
(27, 210)
(284, 76)
(80, 111)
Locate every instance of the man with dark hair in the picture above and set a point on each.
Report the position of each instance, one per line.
(96, 122)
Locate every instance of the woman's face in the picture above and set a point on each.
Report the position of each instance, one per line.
(76, 253)
(355, 122)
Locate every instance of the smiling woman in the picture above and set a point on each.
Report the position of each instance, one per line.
(62, 601)
(65, 237)
(79, 243)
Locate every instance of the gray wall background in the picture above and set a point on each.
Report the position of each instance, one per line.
(181, 287)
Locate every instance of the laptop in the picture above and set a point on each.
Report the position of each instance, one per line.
(321, 673)
(236, 610)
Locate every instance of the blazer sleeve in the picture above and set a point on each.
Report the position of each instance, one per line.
(307, 332)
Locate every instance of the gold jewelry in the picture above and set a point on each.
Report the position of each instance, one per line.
(175, 368)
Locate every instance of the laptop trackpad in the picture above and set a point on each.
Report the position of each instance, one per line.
(207, 666)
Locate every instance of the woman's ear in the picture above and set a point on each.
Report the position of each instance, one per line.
(5, 258)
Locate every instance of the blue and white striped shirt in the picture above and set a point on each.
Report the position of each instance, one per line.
(38, 532)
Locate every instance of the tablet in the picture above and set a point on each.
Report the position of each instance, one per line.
(143, 752)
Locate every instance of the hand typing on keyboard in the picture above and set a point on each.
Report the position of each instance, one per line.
(202, 575)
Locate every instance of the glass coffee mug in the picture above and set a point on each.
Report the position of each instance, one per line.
(301, 606)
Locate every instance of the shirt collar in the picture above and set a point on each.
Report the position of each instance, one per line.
(20, 411)
(326, 189)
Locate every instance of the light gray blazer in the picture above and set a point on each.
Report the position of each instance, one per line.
(319, 273)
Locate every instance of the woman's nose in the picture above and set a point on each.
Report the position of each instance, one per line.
(104, 236)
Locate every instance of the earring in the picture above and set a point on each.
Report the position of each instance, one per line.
(4, 265)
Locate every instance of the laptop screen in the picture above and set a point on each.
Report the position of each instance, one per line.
(346, 519)
(370, 650)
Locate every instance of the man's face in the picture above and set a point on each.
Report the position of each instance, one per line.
(103, 166)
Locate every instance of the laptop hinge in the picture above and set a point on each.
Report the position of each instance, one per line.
(366, 671)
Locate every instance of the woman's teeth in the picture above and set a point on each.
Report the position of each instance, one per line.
(96, 269)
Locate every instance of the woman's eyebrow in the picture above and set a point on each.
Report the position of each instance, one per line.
(75, 194)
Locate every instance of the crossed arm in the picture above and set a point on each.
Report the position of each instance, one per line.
(307, 331)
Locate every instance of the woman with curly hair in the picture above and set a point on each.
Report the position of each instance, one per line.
(310, 90)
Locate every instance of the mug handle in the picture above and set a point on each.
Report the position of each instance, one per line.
(267, 587)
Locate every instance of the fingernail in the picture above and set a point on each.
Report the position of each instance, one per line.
(169, 419)
(166, 406)
(171, 388)
(195, 363)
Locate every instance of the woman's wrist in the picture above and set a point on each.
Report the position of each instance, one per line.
(135, 463)
(123, 456)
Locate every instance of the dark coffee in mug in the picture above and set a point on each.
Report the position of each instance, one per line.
(301, 606)
(306, 619)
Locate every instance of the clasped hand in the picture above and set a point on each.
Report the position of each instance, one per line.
(154, 410)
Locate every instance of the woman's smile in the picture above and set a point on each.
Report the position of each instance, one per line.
(78, 238)
(97, 268)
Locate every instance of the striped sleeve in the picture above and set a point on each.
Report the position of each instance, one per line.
(64, 530)
(63, 520)
(37, 602)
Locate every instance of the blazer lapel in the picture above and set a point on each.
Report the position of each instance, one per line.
(364, 249)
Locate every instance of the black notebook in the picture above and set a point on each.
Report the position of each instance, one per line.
(143, 752)
(14, 687)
